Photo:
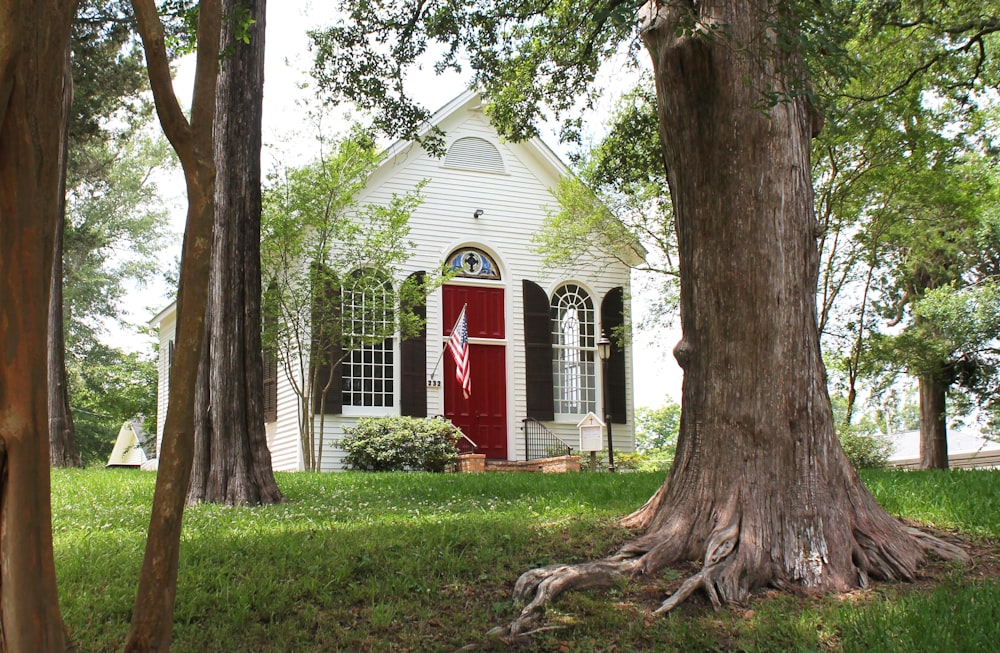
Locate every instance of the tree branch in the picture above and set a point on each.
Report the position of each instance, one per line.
(175, 125)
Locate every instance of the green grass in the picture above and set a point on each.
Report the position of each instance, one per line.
(420, 562)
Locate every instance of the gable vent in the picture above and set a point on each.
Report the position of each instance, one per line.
(472, 153)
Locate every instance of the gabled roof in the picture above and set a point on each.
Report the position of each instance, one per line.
(472, 101)
(162, 315)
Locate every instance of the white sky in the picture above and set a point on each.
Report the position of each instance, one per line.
(286, 80)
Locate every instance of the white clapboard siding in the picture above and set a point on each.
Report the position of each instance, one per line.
(166, 324)
(511, 183)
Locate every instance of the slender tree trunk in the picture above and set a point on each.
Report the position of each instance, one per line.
(62, 433)
(234, 464)
(34, 38)
(933, 426)
(760, 489)
(152, 616)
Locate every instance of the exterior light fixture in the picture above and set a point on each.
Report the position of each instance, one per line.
(477, 213)
(604, 352)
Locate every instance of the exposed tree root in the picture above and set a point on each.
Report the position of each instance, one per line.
(720, 546)
(537, 587)
(938, 547)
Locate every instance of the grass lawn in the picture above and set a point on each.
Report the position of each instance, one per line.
(421, 562)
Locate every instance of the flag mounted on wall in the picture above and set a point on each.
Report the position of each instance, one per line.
(458, 344)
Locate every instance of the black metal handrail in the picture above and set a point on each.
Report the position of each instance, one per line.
(540, 442)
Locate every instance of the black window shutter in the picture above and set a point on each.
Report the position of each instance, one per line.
(538, 351)
(326, 347)
(413, 360)
(270, 387)
(612, 319)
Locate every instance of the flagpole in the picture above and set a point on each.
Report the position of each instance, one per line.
(444, 349)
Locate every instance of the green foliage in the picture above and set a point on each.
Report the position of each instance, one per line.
(315, 232)
(656, 429)
(392, 555)
(865, 449)
(318, 243)
(616, 206)
(906, 188)
(109, 386)
(115, 228)
(394, 444)
(109, 74)
(517, 49)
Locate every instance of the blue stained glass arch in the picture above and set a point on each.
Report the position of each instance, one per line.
(473, 263)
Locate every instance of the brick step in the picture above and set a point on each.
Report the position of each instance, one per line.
(476, 462)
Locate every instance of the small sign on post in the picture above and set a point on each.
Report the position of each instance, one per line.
(591, 433)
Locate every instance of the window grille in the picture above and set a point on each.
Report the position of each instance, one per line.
(368, 368)
(574, 349)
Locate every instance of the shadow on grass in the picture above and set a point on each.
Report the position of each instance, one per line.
(417, 562)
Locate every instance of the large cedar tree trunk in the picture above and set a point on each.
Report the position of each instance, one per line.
(62, 433)
(757, 452)
(933, 428)
(34, 37)
(760, 490)
(232, 462)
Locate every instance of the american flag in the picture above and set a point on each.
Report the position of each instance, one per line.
(458, 343)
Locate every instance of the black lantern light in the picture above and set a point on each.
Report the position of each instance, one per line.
(604, 352)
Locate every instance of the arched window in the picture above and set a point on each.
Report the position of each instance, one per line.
(367, 323)
(573, 351)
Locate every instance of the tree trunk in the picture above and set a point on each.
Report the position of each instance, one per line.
(201, 462)
(933, 428)
(760, 489)
(152, 615)
(62, 434)
(235, 463)
(757, 448)
(34, 38)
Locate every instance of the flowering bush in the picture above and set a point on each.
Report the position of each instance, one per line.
(388, 444)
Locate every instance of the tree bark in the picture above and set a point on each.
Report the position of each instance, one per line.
(34, 39)
(757, 447)
(62, 433)
(202, 459)
(760, 489)
(933, 426)
(152, 616)
(233, 462)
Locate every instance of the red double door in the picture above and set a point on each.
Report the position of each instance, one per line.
(483, 416)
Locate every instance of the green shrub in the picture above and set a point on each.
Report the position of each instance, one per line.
(632, 461)
(865, 450)
(392, 444)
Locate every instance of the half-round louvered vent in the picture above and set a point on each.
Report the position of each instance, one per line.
(472, 153)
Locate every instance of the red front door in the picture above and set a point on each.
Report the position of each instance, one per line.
(483, 416)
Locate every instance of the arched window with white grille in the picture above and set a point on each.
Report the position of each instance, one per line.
(574, 349)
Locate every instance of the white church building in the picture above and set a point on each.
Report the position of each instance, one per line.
(532, 329)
